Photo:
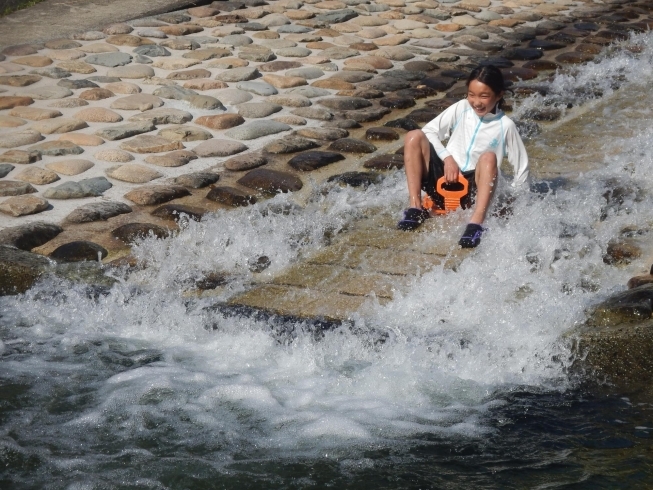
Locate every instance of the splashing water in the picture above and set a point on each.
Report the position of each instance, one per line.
(140, 380)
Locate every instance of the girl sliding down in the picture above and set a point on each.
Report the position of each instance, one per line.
(480, 134)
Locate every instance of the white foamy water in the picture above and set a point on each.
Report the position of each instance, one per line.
(142, 373)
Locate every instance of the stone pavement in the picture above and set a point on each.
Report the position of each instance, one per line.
(53, 19)
(111, 131)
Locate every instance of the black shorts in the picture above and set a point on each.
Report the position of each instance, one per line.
(436, 170)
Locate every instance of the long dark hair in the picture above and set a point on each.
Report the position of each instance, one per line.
(491, 76)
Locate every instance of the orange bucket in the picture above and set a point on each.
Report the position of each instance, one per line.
(451, 197)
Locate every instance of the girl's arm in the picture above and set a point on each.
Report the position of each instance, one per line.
(517, 157)
(439, 128)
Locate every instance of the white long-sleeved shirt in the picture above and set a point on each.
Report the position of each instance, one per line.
(470, 136)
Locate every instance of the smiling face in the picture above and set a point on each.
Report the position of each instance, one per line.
(482, 98)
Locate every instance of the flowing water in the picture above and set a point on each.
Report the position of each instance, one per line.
(461, 382)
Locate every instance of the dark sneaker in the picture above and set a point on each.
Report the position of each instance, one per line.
(472, 236)
(413, 218)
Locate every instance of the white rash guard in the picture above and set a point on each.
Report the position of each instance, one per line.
(470, 136)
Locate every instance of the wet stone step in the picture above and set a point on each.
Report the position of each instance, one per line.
(397, 102)
(30, 235)
(352, 145)
(156, 194)
(231, 196)
(99, 211)
(385, 162)
(197, 180)
(381, 134)
(356, 179)
(79, 251)
(313, 160)
(403, 123)
(176, 212)
(271, 181)
(131, 232)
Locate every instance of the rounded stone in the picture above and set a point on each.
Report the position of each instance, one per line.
(329, 134)
(98, 114)
(574, 58)
(279, 81)
(135, 174)
(258, 109)
(309, 92)
(82, 139)
(70, 167)
(8, 102)
(25, 137)
(34, 61)
(296, 52)
(271, 181)
(114, 156)
(58, 125)
(34, 113)
(99, 211)
(96, 94)
(146, 143)
(218, 148)
(381, 134)
(177, 212)
(14, 188)
(20, 156)
(221, 121)
(175, 158)
(114, 29)
(205, 85)
(47, 93)
(523, 54)
(245, 162)
(541, 65)
(79, 251)
(385, 162)
(259, 88)
(37, 176)
(238, 74)
(230, 196)
(23, 205)
(5, 169)
(237, 40)
(132, 232)
(134, 71)
(127, 40)
(290, 144)
(273, 66)
(516, 73)
(110, 60)
(68, 103)
(156, 194)
(352, 145)
(356, 179)
(137, 102)
(313, 160)
(184, 133)
(257, 129)
(163, 116)
(57, 148)
(197, 180)
(345, 103)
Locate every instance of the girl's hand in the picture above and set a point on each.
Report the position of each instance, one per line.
(450, 170)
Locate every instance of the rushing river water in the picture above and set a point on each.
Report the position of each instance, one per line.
(462, 382)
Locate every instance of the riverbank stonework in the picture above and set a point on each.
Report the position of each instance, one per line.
(111, 133)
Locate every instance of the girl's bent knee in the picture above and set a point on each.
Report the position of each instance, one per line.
(414, 137)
